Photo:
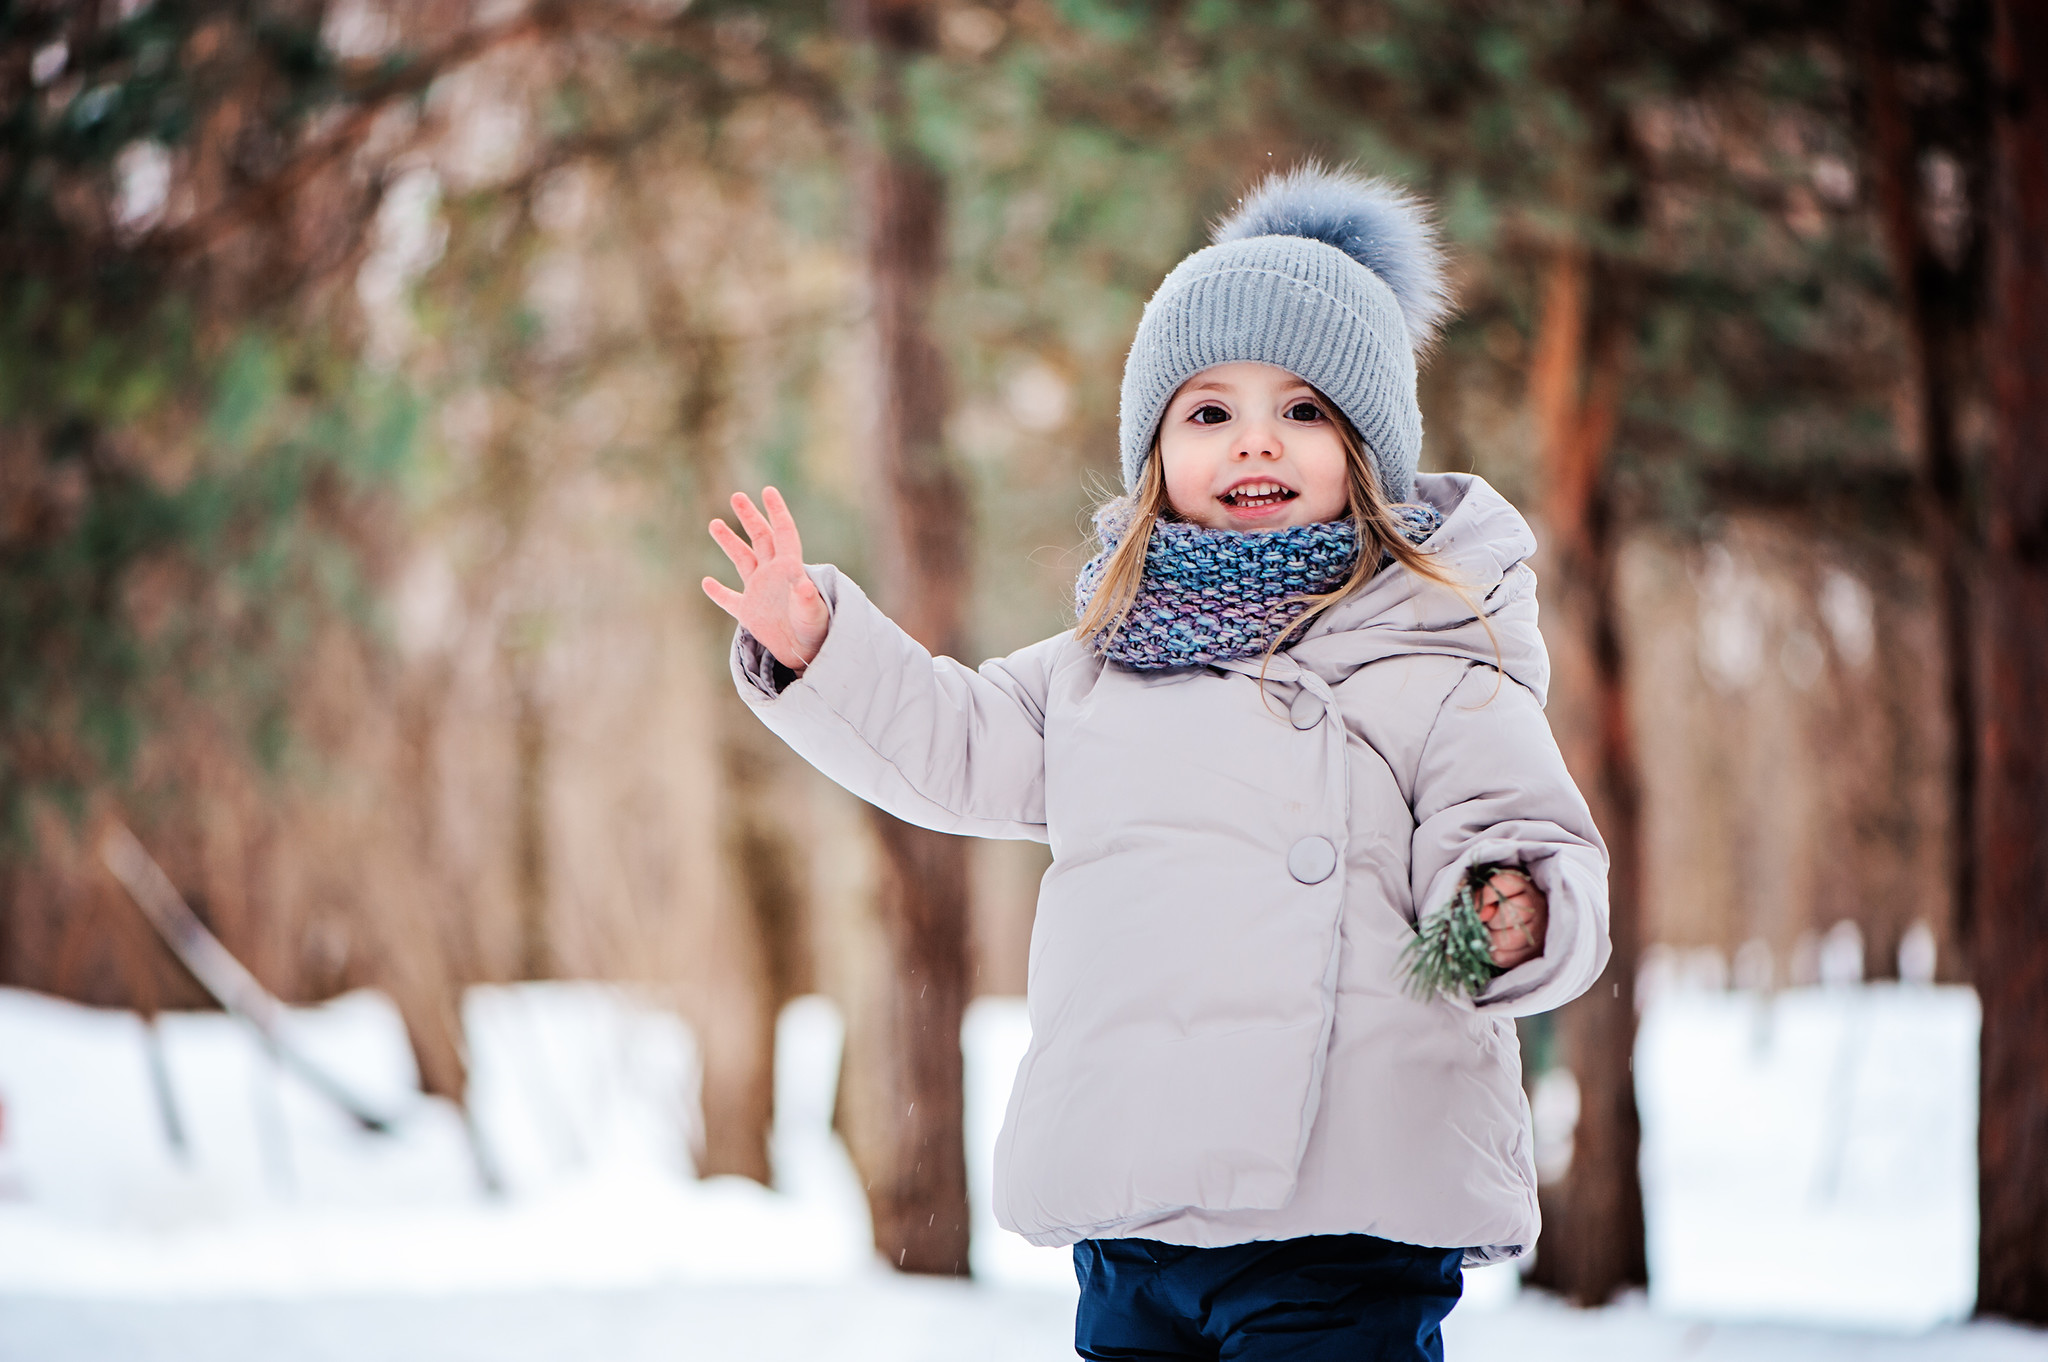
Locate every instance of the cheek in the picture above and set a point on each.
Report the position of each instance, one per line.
(1325, 478)
(1188, 475)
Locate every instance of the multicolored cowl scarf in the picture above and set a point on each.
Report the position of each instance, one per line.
(1215, 595)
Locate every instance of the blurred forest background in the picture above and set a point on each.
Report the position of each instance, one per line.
(368, 372)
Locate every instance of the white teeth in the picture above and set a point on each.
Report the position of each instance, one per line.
(1255, 491)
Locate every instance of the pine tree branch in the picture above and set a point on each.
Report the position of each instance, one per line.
(1452, 951)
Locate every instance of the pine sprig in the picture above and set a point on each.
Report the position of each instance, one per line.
(1452, 951)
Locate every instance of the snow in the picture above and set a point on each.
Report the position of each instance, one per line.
(1808, 1163)
(1812, 1156)
(887, 1319)
(585, 1105)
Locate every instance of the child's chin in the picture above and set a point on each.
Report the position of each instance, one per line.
(1282, 517)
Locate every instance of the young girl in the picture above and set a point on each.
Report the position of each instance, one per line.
(1303, 703)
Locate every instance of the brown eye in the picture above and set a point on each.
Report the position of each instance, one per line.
(1304, 411)
(1208, 414)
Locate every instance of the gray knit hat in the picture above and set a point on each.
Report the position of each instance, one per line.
(1333, 276)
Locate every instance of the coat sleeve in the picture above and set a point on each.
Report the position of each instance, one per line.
(1491, 786)
(935, 743)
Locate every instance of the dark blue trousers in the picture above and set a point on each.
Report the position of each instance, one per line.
(1314, 1299)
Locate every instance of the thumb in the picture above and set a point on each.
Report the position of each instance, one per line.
(805, 590)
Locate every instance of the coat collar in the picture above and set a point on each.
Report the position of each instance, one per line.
(1485, 544)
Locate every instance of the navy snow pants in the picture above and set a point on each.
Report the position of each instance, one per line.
(1319, 1298)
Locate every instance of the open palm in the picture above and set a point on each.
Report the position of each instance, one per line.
(777, 602)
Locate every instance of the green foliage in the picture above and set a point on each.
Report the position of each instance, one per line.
(1082, 153)
(1682, 145)
(1452, 952)
(188, 470)
(200, 570)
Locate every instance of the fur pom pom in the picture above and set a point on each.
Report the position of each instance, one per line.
(1376, 223)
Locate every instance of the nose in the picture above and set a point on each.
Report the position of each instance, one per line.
(1260, 440)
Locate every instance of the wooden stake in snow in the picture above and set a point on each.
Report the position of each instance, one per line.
(216, 968)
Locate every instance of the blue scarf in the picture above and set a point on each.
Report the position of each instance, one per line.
(1215, 595)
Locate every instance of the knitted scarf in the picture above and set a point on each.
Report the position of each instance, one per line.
(1214, 595)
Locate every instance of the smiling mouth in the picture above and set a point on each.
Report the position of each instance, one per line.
(1251, 496)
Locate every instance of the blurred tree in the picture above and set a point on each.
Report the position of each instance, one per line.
(617, 341)
(1924, 117)
(1593, 1241)
(1593, 1238)
(2010, 925)
(215, 475)
(194, 471)
(917, 1172)
(1953, 119)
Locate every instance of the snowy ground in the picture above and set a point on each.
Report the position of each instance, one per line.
(1808, 1167)
(870, 1321)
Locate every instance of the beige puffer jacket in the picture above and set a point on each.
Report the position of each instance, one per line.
(1221, 1047)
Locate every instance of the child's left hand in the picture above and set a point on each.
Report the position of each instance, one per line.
(1516, 913)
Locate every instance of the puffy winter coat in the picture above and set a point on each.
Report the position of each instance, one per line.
(1221, 1046)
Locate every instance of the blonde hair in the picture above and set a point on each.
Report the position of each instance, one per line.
(1379, 538)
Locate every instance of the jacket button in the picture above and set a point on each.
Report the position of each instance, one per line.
(1306, 711)
(1311, 860)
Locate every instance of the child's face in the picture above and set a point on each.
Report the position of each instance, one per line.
(1250, 447)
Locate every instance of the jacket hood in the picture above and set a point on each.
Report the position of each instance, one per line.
(1484, 544)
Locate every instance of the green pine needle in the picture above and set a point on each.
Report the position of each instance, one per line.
(1452, 951)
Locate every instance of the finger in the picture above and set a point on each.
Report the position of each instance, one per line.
(1511, 946)
(783, 524)
(1516, 931)
(723, 596)
(755, 524)
(742, 557)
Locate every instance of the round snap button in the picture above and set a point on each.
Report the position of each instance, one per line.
(1311, 860)
(1306, 711)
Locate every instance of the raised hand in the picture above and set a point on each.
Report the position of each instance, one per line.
(777, 602)
(1516, 915)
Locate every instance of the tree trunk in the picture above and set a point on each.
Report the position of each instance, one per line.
(917, 1171)
(1937, 299)
(918, 1189)
(766, 949)
(763, 908)
(2009, 940)
(530, 818)
(1592, 1244)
